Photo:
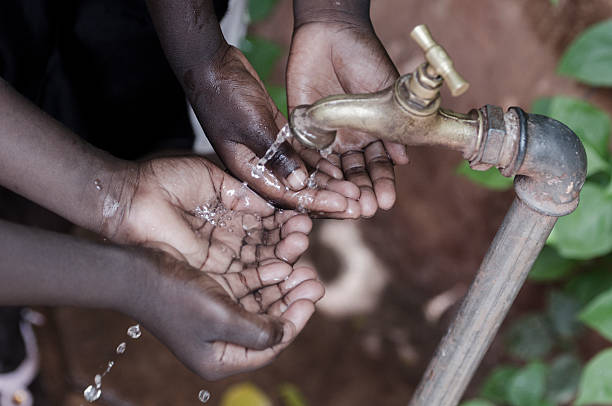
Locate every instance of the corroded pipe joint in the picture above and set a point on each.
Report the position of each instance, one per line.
(554, 167)
(547, 158)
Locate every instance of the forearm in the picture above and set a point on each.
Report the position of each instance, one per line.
(353, 11)
(225, 93)
(44, 268)
(45, 162)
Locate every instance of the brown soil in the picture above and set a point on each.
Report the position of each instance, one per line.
(431, 241)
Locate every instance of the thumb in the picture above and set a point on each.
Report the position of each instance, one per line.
(287, 165)
(251, 330)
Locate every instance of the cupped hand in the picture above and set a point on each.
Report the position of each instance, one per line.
(220, 324)
(338, 57)
(242, 122)
(193, 210)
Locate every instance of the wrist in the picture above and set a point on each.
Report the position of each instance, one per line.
(352, 12)
(115, 189)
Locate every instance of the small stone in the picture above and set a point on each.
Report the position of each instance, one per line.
(204, 396)
(134, 331)
(121, 348)
(92, 393)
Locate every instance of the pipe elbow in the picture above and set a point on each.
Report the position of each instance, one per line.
(553, 168)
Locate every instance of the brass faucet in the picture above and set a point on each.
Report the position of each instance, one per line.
(407, 112)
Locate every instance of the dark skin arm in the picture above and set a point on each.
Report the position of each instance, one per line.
(237, 114)
(237, 268)
(335, 50)
(213, 323)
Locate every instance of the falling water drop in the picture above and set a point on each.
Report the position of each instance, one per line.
(121, 348)
(92, 393)
(98, 184)
(204, 396)
(134, 331)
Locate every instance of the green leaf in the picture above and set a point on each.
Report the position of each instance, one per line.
(588, 284)
(495, 388)
(598, 314)
(291, 395)
(596, 382)
(589, 58)
(260, 9)
(587, 232)
(563, 311)
(262, 54)
(530, 337)
(491, 178)
(245, 394)
(279, 95)
(590, 124)
(528, 385)
(476, 402)
(563, 378)
(550, 266)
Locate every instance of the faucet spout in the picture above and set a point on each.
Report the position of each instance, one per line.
(390, 115)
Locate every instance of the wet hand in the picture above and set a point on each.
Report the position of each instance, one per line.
(193, 210)
(242, 122)
(223, 323)
(344, 57)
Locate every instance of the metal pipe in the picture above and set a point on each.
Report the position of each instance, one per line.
(501, 275)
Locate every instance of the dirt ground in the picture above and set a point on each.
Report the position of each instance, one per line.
(431, 242)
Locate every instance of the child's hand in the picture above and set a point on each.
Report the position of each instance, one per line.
(334, 54)
(223, 324)
(196, 212)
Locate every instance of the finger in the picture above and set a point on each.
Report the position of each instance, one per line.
(292, 247)
(256, 253)
(279, 218)
(297, 224)
(345, 188)
(317, 200)
(381, 173)
(245, 282)
(353, 165)
(273, 293)
(250, 330)
(353, 211)
(329, 165)
(311, 290)
(287, 165)
(233, 358)
(397, 152)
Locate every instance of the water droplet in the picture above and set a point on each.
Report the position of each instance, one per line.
(121, 348)
(98, 184)
(110, 366)
(92, 393)
(134, 331)
(98, 380)
(204, 396)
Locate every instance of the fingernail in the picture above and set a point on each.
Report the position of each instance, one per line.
(297, 179)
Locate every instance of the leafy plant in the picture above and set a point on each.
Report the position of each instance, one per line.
(577, 259)
(263, 54)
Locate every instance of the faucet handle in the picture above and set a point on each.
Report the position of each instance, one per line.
(439, 60)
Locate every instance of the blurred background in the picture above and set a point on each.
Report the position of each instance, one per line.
(395, 281)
